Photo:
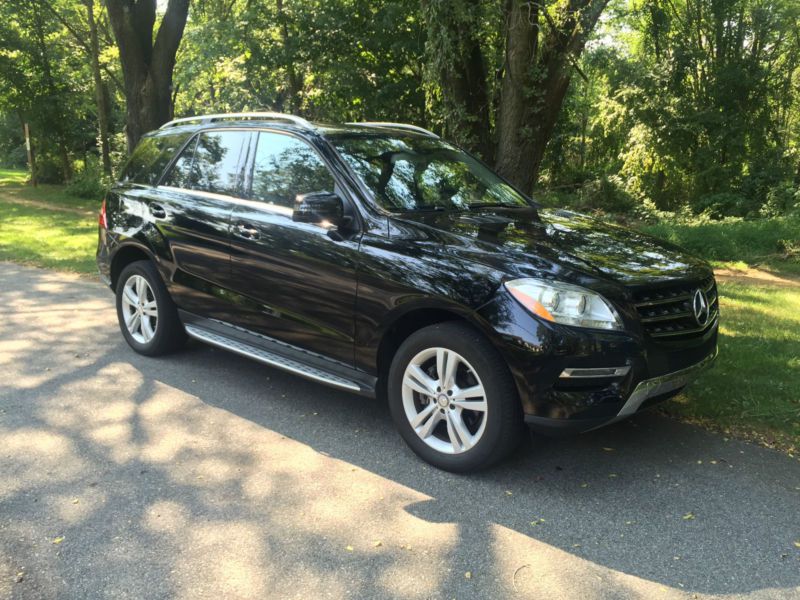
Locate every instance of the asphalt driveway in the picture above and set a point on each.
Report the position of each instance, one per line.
(205, 475)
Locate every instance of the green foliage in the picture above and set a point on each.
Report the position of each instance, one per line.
(45, 80)
(607, 194)
(733, 239)
(723, 204)
(88, 182)
(337, 60)
(681, 107)
(693, 102)
(782, 199)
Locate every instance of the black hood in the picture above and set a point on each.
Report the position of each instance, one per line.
(525, 241)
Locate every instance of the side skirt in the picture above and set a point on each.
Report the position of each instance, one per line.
(278, 354)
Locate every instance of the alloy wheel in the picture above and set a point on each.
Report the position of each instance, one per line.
(139, 309)
(444, 400)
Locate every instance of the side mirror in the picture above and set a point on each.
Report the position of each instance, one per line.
(322, 208)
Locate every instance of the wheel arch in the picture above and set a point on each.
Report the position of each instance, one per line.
(406, 324)
(126, 255)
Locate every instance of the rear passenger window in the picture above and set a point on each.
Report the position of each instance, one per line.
(285, 167)
(181, 174)
(151, 157)
(218, 161)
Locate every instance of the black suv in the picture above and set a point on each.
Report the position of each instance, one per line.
(380, 259)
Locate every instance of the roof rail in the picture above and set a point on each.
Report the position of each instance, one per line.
(396, 126)
(267, 116)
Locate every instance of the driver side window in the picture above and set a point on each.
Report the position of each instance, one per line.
(284, 167)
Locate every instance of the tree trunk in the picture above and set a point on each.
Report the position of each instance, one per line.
(515, 144)
(99, 92)
(66, 163)
(147, 66)
(533, 93)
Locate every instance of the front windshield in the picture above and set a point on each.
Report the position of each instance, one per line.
(407, 173)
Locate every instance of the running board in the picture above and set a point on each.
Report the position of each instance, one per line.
(270, 358)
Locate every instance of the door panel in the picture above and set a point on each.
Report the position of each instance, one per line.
(197, 231)
(195, 204)
(301, 277)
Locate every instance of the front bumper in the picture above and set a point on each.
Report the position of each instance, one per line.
(646, 393)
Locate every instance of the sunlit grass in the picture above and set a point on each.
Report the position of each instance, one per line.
(755, 385)
(45, 238)
(13, 186)
(13, 176)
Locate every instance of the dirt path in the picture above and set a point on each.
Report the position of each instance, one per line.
(10, 196)
(754, 276)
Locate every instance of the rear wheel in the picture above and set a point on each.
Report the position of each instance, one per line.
(147, 315)
(453, 399)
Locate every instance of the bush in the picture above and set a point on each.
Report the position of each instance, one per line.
(49, 169)
(88, 182)
(606, 194)
(724, 204)
(782, 199)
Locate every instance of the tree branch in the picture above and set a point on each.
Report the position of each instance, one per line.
(80, 38)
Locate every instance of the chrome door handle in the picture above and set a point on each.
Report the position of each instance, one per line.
(247, 232)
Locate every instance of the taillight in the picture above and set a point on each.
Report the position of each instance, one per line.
(103, 219)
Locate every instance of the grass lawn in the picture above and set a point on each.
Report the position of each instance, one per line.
(753, 390)
(12, 186)
(42, 237)
(773, 244)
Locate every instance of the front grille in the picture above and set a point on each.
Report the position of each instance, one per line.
(668, 313)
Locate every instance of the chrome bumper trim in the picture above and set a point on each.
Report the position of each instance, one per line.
(594, 372)
(663, 385)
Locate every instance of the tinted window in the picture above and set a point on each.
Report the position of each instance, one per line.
(419, 173)
(180, 176)
(151, 157)
(217, 161)
(285, 167)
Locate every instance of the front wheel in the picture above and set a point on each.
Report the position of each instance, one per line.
(453, 399)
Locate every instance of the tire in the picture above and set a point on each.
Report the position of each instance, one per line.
(159, 329)
(490, 413)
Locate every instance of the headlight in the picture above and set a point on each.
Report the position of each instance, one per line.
(564, 303)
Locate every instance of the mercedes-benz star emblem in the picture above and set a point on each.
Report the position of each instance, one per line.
(700, 307)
